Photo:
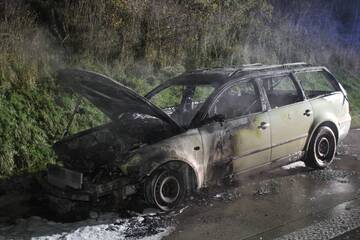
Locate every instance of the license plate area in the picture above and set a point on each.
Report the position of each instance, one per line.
(62, 177)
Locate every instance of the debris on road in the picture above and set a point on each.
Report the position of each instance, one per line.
(106, 227)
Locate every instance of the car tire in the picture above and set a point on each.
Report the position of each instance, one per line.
(165, 189)
(322, 148)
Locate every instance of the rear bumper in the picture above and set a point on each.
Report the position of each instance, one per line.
(344, 127)
(90, 193)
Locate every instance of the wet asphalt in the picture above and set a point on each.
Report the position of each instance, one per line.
(293, 202)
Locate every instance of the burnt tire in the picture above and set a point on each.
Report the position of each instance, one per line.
(165, 189)
(322, 148)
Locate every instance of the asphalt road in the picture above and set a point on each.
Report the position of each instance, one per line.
(293, 202)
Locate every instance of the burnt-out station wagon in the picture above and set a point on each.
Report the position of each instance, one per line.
(218, 123)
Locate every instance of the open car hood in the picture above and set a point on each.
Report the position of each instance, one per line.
(109, 96)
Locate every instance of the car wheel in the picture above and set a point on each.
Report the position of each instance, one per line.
(322, 148)
(165, 189)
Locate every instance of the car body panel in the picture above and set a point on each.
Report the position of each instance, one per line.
(336, 112)
(235, 145)
(186, 147)
(330, 108)
(289, 128)
(252, 143)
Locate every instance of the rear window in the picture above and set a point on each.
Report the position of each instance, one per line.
(315, 83)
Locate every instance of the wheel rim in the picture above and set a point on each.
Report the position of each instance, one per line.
(324, 149)
(169, 189)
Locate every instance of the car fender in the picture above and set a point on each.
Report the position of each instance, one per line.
(327, 118)
(183, 148)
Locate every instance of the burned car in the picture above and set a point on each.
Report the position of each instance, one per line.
(218, 123)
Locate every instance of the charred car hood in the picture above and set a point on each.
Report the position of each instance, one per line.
(109, 96)
(109, 144)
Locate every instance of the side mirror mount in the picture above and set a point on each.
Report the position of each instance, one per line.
(220, 118)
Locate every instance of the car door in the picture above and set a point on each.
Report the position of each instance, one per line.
(328, 100)
(241, 135)
(290, 115)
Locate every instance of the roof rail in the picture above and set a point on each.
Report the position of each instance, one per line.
(296, 64)
(251, 64)
(250, 67)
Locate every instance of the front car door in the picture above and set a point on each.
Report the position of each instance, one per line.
(242, 140)
(290, 116)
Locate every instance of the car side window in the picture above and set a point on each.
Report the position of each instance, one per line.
(238, 100)
(315, 83)
(281, 91)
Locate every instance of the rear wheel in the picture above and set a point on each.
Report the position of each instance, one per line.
(322, 148)
(165, 189)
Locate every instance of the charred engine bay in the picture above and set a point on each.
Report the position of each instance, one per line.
(108, 145)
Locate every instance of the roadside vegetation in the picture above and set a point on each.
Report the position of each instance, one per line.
(140, 44)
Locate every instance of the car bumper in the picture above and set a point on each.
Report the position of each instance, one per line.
(88, 192)
(344, 127)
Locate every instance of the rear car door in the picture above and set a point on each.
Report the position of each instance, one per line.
(243, 138)
(327, 97)
(291, 116)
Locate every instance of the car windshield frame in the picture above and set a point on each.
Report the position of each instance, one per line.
(150, 95)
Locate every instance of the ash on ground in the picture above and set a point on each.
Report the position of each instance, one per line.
(106, 226)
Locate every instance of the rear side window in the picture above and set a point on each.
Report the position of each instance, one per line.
(315, 83)
(281, 91)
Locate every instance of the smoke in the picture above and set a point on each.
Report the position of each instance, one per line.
(320, 32)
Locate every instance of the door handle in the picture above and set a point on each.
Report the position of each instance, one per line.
(308, 112)
(264, 125)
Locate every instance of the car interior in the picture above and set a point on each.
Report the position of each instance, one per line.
(239, 100)
(281, 91)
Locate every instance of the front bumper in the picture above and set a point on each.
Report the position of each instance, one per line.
(122, 186)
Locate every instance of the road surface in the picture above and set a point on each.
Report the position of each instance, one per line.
(292, 202)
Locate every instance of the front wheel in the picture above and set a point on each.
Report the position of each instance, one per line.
(322, 149)
(165, 189)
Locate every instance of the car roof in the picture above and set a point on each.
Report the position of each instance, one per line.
(218, 76)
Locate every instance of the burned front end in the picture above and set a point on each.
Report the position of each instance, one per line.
(90, 162)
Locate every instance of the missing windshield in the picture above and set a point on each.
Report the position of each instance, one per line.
(181, 102)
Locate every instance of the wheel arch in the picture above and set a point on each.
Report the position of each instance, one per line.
(327, 123)
(195, 174)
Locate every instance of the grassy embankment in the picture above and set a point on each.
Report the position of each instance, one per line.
(139, 43)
